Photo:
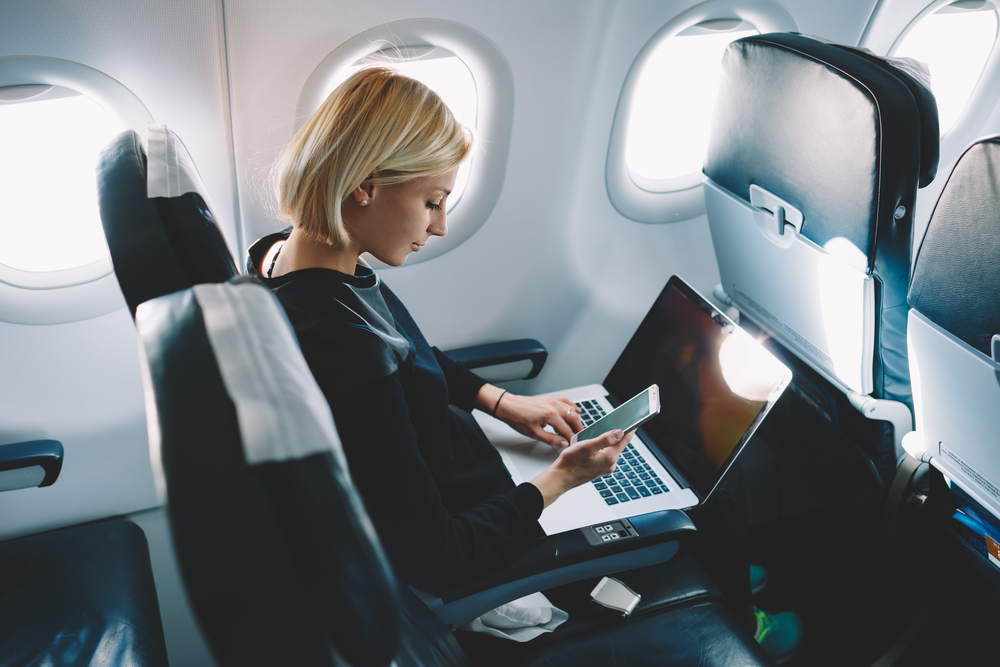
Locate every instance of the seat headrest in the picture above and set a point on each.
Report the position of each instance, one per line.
(279, 557)
(159, 226)
(916, 78)
(834, 132)
(956, 273)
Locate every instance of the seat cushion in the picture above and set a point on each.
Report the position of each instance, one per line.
(80, 596)
(699, 633)
(662, 587)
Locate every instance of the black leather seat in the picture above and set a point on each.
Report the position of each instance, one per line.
(954, 325)
(80, 597)
(158, 244)
(280, 561)
(840, 141)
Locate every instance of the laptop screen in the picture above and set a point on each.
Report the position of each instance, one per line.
(716, 383)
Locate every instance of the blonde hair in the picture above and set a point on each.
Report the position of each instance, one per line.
(376, 122)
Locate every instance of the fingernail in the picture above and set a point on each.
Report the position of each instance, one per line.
(563, 443)
(617, 434)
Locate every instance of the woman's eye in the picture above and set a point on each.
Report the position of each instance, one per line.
(434, 207)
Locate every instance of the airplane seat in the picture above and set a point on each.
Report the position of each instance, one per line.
(815, 156)
(157, 217)
(954, 336)
(82, 595)
(76, 595)
(280, 562)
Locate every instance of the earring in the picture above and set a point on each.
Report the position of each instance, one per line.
(364, 202)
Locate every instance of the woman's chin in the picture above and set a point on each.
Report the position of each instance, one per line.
(395, 261)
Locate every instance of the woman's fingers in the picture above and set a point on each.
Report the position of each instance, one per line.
(611, 439)
(603, 451)
(572, 416)
(564, 418)
(556, 440)
(561, 425)
(531, 415)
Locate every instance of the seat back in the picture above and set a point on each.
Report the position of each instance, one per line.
(815, 156)
(954, 349)
(157, 218)
(277, 554)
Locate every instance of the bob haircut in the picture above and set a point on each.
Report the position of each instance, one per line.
(379, 124)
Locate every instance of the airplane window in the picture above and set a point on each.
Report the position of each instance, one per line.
(50, 139)
(955, 43)
(441, 71)
(661, 125)
(673, 101)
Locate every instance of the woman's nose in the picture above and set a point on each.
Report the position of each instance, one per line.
(439, 225)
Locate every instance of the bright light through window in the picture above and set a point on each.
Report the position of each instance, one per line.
(672, 106)
(444, 73)
(49, 219)
(955, 44)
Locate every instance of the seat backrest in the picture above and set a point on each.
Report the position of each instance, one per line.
(815, 157)
(953, 325)
(839, 140)
(277, 554)
(157, 218)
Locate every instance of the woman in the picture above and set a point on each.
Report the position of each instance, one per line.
(371, 171)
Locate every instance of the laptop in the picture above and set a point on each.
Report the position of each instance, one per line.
(716, 385)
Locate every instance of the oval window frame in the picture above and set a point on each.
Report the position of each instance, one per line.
(984, 96)
(890, 21)
(495, 111)
(685, 200)
(83, 292)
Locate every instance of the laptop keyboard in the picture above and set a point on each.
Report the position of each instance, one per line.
(592, 411)
(633, 477)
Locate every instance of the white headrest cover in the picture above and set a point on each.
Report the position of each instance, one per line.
(170, 171)
(282, 412)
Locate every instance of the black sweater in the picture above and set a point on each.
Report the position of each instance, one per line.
(440, 498)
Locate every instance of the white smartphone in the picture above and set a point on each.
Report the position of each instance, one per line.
(628, 416)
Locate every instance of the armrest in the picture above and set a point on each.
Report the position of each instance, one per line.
(27, 464)
(504, 352)
(563, 558)
(894, 412)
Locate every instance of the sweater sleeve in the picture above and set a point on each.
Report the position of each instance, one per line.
(429, 547)
(463, 384)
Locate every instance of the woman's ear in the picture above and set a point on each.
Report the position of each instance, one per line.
(364, 192)
(361, 195)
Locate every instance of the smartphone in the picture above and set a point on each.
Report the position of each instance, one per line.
(628, 416)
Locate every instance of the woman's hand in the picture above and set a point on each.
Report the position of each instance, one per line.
(529, 415)
(580, 463)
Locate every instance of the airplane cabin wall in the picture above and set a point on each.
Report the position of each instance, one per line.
(78, 382)
(554, 261)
